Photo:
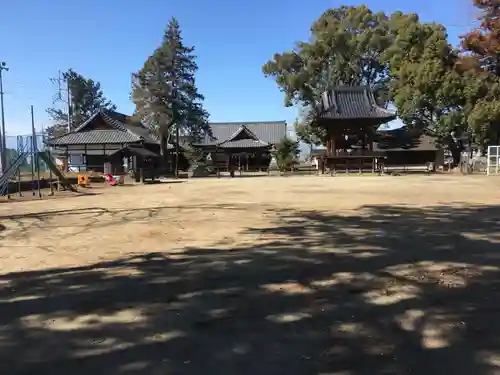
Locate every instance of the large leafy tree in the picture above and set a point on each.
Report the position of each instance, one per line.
(286, 153)
(425, 86)
(436, 88)
(344, 49)
(483, 42)
(452, 93)
(308, 134)
(164, 90)
(481, 63)
(483, 108)
(86, 98)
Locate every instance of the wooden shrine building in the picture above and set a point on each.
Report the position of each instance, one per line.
(144, 162)
(94, 145)
(407, 149)
(111, 142)
(350, 116)
(243, 146)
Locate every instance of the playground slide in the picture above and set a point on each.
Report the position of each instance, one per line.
(4, 178)
(51, 165)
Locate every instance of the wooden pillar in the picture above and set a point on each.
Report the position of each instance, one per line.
(369, 138)
(328, 141)
(215, 161)
(331, 146)
(333, 150)
(85, 158)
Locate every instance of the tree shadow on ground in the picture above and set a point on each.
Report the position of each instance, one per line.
(158, 182)
(15, 198)
(86, 218)
(388, 290)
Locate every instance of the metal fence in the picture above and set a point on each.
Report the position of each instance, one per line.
(15, 145)
(493, 160)
(473, 163)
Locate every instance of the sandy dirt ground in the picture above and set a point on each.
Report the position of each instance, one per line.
(256, 275)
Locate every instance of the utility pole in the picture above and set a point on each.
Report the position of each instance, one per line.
(177, 150)
(63, 90)
(3, 148)
(68, 100)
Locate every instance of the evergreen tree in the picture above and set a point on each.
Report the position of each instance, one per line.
(286, 153)
(481, 43)
(452, 93)
(480, 61)
(164, 91)
(307, 134)
(344, 49)
(86, 97)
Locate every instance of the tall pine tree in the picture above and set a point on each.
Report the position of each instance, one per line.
(86, 98)
(164, 91)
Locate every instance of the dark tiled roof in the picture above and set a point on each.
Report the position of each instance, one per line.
(124, 129)
(352, 102)
(134, 150)
(269, 131)
(95, 137)
(128, 123)
(404, 139)
(243, 138)
(242, 133)
(257, 134)
(244, 143)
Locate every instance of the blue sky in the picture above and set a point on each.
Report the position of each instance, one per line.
(108, 40)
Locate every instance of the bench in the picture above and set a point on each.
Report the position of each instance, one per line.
(424, 168)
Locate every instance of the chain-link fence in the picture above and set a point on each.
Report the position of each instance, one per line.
(17, 145)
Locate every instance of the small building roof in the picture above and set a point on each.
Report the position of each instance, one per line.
(352, 102)
(122, 122)
(95, 137)
(243, 138)
(271, 132)
(404, 139)
(122, 129)
(136, 150)
(245, 143)
(245, 134)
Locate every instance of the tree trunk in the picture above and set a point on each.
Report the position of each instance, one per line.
(456, 154)
(163, 151)
(177, 151)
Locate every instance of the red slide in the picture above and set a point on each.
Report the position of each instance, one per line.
(110, 179)
(113, 180)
